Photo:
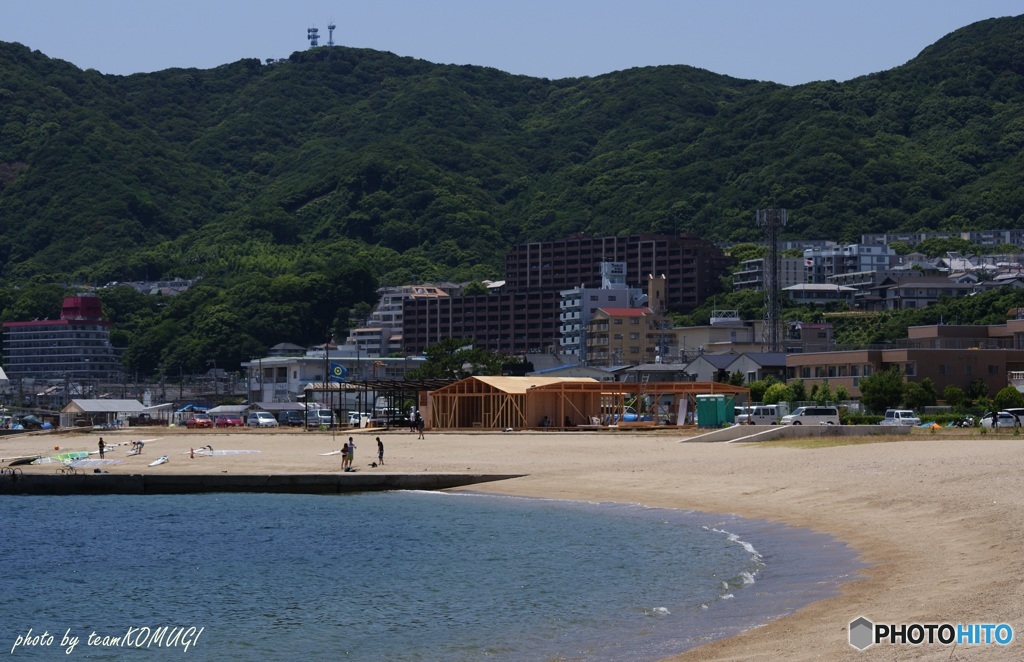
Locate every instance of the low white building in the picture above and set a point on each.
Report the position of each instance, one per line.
(285, 378)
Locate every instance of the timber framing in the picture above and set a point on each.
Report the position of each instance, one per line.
(502, 403)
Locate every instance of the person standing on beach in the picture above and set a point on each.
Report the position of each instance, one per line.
(380, 452)
(420, 424)
(102, 446)
(351, 451)
(344, 455)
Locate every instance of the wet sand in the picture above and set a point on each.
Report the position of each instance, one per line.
(937, 517)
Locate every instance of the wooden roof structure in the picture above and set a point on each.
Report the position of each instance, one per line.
(499, 403)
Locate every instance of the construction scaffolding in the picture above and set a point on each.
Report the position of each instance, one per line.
(501, 403)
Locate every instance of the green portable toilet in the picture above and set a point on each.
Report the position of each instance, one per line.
(714, 411)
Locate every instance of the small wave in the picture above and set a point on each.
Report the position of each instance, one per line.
(728, 596)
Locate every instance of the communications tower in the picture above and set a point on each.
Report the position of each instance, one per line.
(330, 33)
(314, 37)
(772, 220)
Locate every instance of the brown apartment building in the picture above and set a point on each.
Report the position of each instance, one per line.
(523, 317)
(946, 354)
(623, 336)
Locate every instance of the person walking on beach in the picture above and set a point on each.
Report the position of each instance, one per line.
(420, 424)
(380, 452)
(102, 446)
(344, 455)
(351, 451)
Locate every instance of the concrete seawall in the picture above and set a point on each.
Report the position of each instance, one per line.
(750, 433)
(59, 484)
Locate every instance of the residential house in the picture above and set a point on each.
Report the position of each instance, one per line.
(753, 366)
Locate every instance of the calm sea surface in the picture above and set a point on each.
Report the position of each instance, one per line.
(391, 576)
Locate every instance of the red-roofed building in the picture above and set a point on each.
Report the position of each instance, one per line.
(624, 336)
(73, 349)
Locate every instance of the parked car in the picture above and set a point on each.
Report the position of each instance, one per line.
(1001, 419)
(290, 417)
(1016, 411)
(261, 419)
(812, 416)
(199, 421)
(319, 417)
(900, 417)
(229, 421)
(763, 415)
(354, 417)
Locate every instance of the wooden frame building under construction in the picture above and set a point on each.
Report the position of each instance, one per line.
(501, 403)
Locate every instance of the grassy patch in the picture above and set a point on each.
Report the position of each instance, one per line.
(829, 442)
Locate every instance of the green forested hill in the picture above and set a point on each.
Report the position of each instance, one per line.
(343, 168)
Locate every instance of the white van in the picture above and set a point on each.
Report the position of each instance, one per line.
(763, 415)
(812, 416)
(319, 418)
(900, 417)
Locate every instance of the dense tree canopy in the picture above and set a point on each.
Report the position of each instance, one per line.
(295, 189)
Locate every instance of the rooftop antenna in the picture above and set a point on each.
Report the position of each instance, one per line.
(314, 37)
(330, 33)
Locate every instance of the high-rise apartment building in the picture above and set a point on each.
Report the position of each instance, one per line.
(523, 317)
(74, 348)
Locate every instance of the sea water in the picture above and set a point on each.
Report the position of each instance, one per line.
(391, 576)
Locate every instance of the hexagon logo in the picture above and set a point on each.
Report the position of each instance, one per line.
(862, 633)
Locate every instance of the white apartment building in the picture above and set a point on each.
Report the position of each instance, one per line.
(750, 275)
(381, 334)
(579, 304)
(819, 265)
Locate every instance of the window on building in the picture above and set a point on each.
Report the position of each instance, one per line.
(943, 369)
(968, 370)
(911, 369)
(993, 369)
(634, 336)
(617, 321)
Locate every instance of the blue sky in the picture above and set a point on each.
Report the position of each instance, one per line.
(785, 41)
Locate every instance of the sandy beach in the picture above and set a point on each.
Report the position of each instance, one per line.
(936, 517)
